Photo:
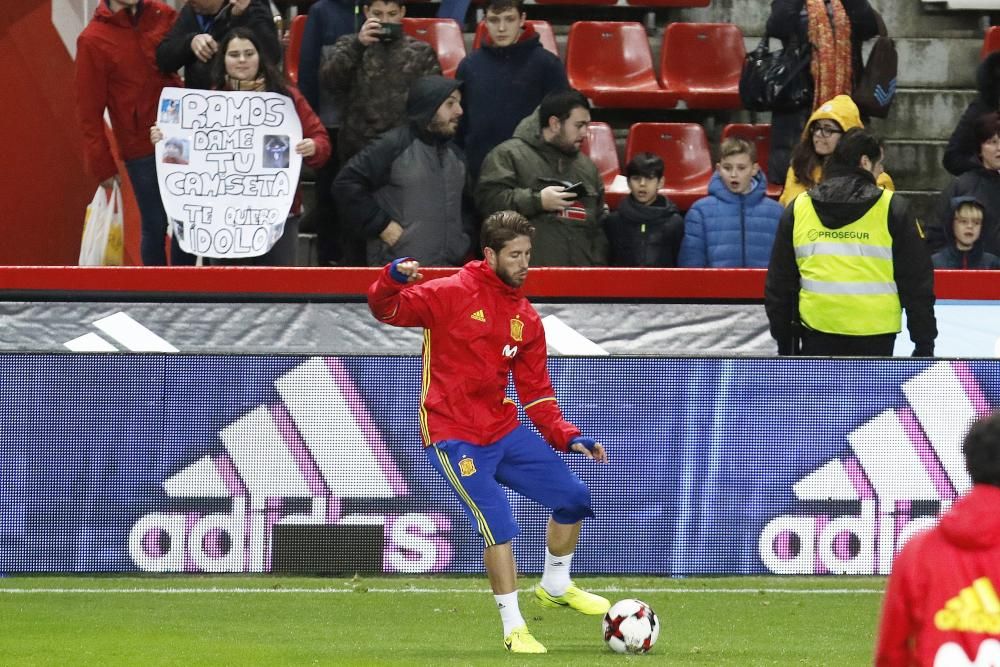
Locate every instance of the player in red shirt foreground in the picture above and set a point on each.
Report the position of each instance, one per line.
(478, 328)
(941, 606)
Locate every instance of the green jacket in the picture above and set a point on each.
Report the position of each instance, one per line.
(510, 180)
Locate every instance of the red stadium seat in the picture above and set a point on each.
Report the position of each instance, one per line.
(294, 48)
(700, 63)
(759, 136)
(543, 28)
(599, 145)
(610, 62)
(444, 35)
(686, 157)
(669, 3)
(991, 42)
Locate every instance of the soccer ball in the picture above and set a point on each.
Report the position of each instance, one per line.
(631, 626)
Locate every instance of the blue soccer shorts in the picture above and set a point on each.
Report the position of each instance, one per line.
(522, 462)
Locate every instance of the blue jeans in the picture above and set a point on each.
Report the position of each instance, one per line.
(142, 173)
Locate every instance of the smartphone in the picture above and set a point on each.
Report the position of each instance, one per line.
(578, 188)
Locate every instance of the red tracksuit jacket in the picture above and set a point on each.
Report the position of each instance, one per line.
(477, 329)
(941, 606)
(116, 69)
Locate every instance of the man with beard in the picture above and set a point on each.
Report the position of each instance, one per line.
(404, 192)
(541, 174)
(479, 330)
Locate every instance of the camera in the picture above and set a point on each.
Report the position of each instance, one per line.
(390, 32)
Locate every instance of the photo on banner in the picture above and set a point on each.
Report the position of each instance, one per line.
(226, 170)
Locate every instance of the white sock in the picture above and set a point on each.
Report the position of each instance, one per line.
(510, 614)
(555, 578)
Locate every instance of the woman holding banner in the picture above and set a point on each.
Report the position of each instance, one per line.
(241, 65)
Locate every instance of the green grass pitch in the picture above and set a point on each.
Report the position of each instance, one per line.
(267, 620)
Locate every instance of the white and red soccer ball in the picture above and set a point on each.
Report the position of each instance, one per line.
(631, 626)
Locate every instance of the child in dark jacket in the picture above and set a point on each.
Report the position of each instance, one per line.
(964, 249)
(734, 226)
(647, 228)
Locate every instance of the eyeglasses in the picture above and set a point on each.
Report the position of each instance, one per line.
(825, 130)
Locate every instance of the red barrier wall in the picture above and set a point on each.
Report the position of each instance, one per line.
(25, 283)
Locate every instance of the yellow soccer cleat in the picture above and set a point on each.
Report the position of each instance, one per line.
(574, 598)
(520, 641)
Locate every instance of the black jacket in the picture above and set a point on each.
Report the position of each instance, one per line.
(415, 178)
(962, 153)
(842, 198)
(645, 235)
(984, 185)
(174, 52)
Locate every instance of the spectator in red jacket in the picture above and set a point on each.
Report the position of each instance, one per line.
(941, 605)
(116, 70)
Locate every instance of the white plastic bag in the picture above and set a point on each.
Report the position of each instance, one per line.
(103, 229)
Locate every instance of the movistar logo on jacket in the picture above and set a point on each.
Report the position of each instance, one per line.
(848, 284)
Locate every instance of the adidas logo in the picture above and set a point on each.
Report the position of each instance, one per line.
(479, 315)
(901, 455)
(292, 461)
(975, 609)
(124, 330)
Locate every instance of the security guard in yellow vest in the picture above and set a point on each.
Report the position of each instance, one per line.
(847, 259)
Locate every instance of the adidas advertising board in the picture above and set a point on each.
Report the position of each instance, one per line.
(168, 462)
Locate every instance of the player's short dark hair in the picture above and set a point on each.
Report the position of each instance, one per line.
(367, 3)
(560, 104)
(648, 165)
(856, 143)
(987, 127)
(502, 227)
(982, 450)
(498, 6)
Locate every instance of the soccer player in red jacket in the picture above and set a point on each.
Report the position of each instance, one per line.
(941, 605)
(478, 328)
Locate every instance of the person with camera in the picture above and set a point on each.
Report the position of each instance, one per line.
(369, 74)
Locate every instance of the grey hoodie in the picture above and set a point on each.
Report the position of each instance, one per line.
(413, 177)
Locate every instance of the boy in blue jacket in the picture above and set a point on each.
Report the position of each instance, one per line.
(734, 226)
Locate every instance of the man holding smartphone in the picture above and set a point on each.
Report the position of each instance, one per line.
(541, 174)
(370, 73)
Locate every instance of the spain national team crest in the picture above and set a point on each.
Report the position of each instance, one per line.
(517, 329)
(467, 466)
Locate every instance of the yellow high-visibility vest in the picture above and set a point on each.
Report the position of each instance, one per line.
(848, 285)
